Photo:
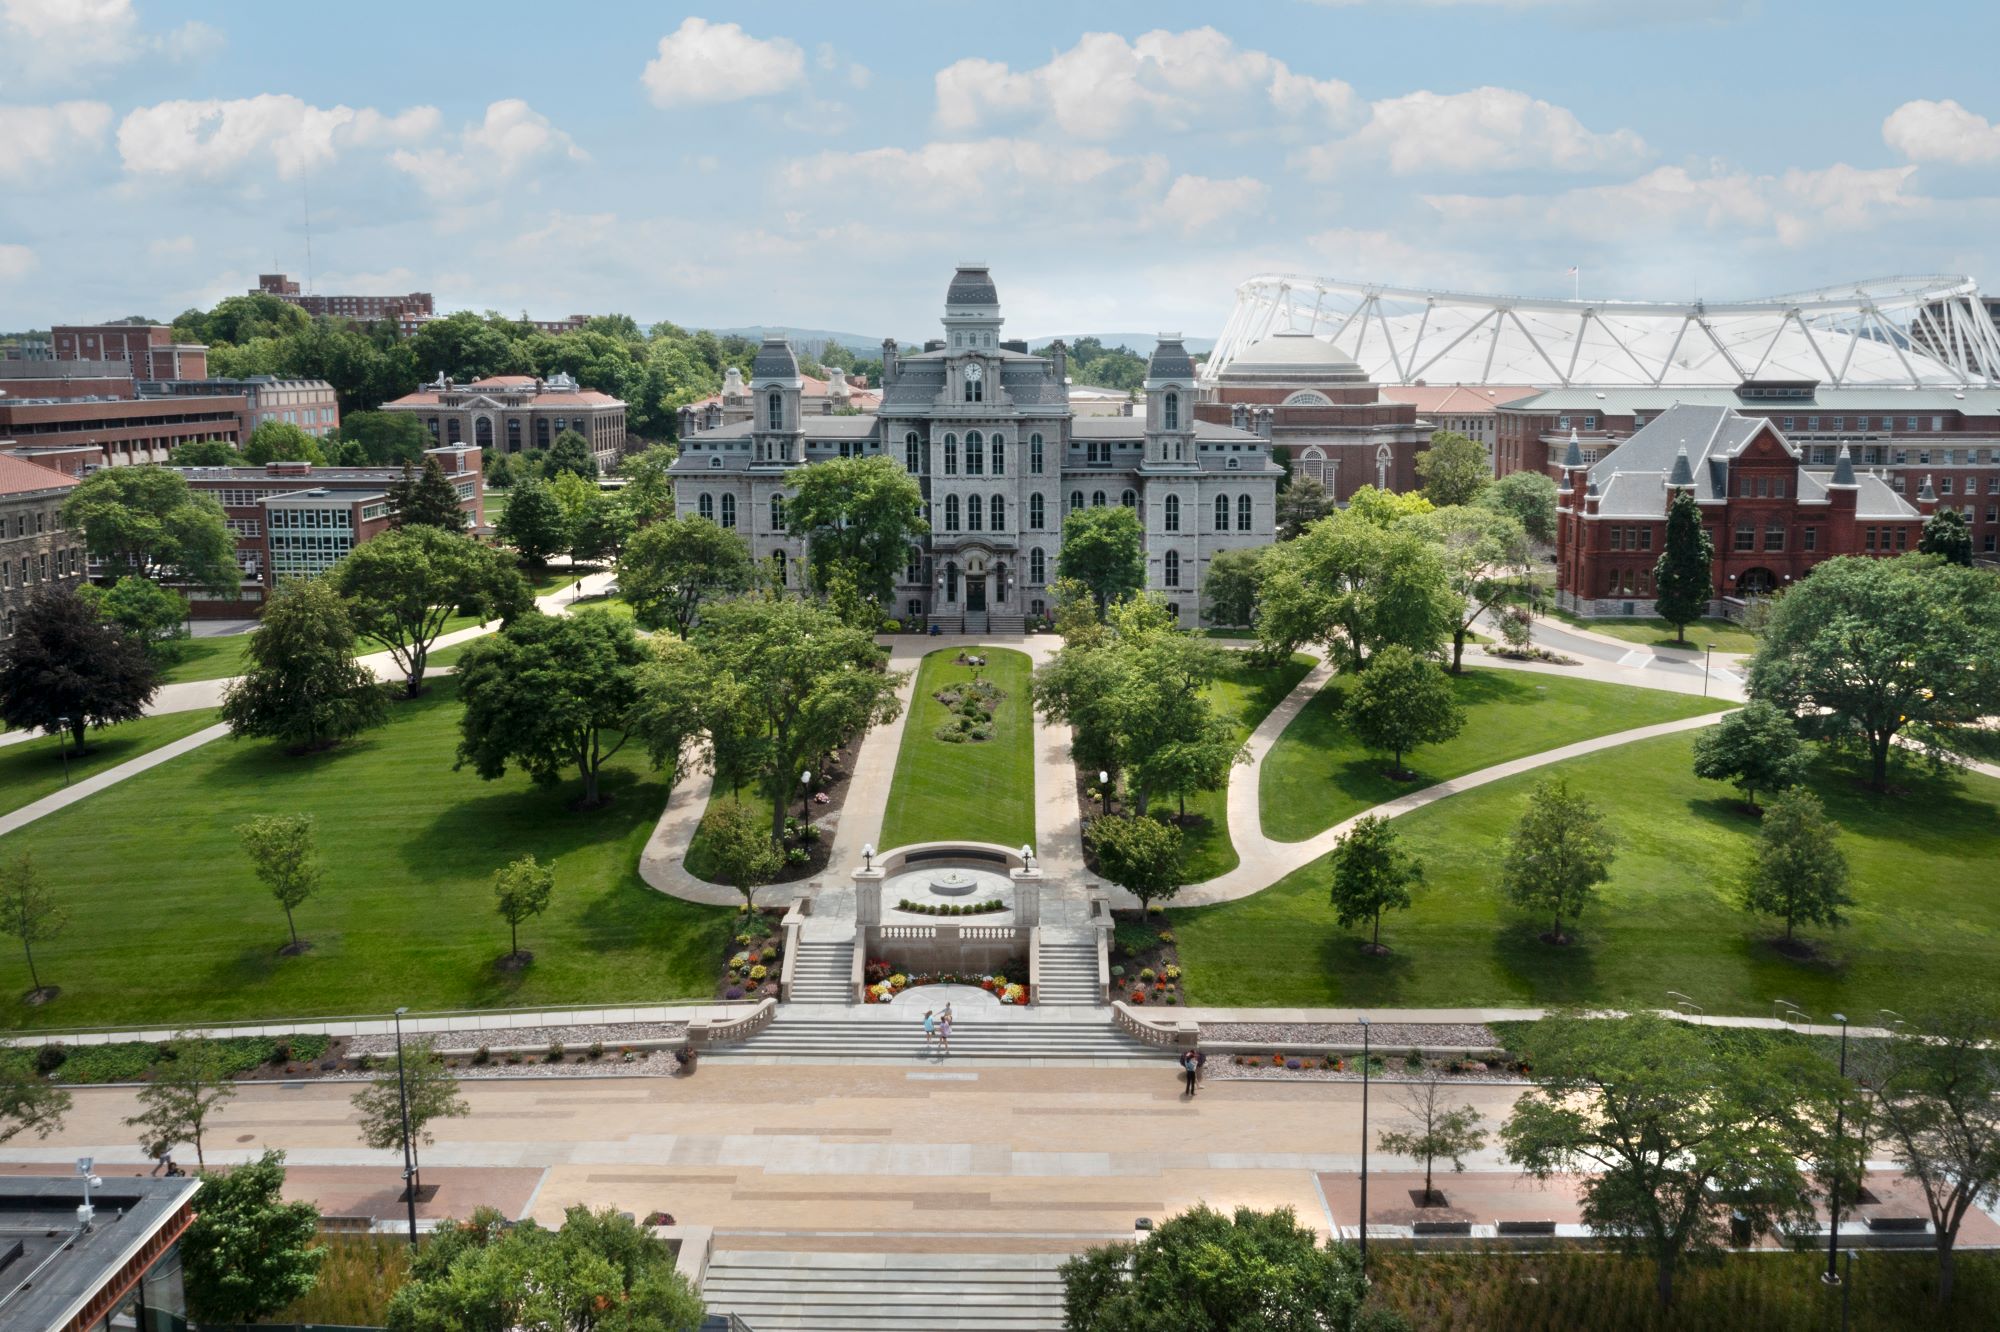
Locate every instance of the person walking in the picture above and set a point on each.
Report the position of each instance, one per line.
(1187, 1070)
(930, 1028)
(1200, 1067)
(944, 1030)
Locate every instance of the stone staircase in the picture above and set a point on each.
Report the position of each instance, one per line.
(824, 972)
(822, 1031)
(804, 1291)
(1068, 974)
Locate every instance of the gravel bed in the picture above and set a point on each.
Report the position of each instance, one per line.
(1219, 1070)
(574, 1039)
(1382, 1035)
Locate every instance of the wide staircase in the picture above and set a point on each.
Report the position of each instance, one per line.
(816, 1031)
(1068, 974)
(804, 1291)
(824, 973)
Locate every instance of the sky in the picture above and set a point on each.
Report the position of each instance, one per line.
(1121, 166)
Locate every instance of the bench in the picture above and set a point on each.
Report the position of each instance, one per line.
(346, 1225)
(1441, 1228)
(1899, 1223)
(1524, 1227)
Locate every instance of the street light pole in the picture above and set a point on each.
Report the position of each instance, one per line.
(1364, 1144)
(62, 743)
(403, 1095)
(1707, 652)
(1104, 789)
(1832, 1277)
(805, 799)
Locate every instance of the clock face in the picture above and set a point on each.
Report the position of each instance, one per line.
(973, 373)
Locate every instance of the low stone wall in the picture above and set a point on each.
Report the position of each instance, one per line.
(980, 949)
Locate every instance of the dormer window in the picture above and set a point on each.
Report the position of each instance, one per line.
(775, 405)
(1170, 412)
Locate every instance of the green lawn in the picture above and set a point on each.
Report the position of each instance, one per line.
(215, 658)
(167, 923)
(1318, 774)
(980, 790)
(34, 768)
(1245, 695)
(1727, 635)
(1926, 923)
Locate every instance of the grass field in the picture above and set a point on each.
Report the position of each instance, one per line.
(215, 658)
(1245, 695)
(34, 768)
(979, 790)
(168, 925)
(1926, 923)
(1318, 774)
(1725, 634)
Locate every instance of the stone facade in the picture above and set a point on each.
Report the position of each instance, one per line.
(988, 431)
(36, 551)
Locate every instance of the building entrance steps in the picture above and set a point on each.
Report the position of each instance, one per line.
(1067, 973)
(804, 1291)
(823, 972)
(895, 1033)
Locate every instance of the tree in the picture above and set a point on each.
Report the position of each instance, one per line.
(304, 686)
(1103, 548)
(858, 515)
(405, 585)
(570, 452)
(1386, 508)
(739, 847)
(204, 453)
(1433, 1129)
(1372, 874)
(65, 669)
(1354, 583)
(31, 913)
(602, 528)
(1202, 1271)
(670, 716)
(1867, 650)
(1757, 747)
(1231, 585)
(425, 498)
(28, 1102)
(670, 567)
(1454, 469)
(1797, 871)
(1485, 556)
(1400, 702)
(1947, 537)
(1558, 854)
(1303, 503)
(1682, 576)
(1140, 854)
(386, 438)
(146, 519)
(533, 522)
(1666, 1131)
(648, 494)
(188, 1086)
(284, 851)
(601, 1272)
(520, 891)
(383, 1115)
(281, 441)
(248, 1254)
(1937, 1103)
(545, 692)
(1529, 498)
(572, 495)
(155, 616)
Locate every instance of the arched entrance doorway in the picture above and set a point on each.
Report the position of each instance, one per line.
(1757, 582)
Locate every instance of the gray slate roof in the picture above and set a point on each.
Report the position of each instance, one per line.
(1170, 360)
(775, 360)
(972, 285)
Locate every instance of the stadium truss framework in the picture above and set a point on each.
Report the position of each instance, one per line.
(1902, 331)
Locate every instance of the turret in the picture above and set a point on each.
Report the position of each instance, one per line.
(778, 437)
(1170, 398)
(1927, 498)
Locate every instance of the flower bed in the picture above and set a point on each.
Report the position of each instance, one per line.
(885, 983)
(1329, 1067)
(971, 704)
(1145, 961)
(951, 908)
(755, 959)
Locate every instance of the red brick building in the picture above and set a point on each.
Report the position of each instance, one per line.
(114, 432)
(414, 305)
(509, 413)
(1770, 515)
(148, 349)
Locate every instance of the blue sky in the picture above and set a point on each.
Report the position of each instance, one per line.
(1120, 165)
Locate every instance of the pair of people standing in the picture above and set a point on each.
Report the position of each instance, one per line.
(937, 1027)
(1191, 1066)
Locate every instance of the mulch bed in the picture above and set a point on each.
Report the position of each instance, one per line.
(1140, 943)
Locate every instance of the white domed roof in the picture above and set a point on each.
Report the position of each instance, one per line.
(1293, 354)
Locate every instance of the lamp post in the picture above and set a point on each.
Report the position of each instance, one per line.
(1364, 1144)
(1104, 789)
(62, 743)
(867, 856)
(1832, 1277)
(409, 1164)
(805, 796)
(1707, 651)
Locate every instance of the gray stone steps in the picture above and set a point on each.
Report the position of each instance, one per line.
(822, 973)
(995, 1038)
(1067, 974)
(791, 1291)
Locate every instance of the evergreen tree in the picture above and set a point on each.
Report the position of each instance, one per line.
(304, 686)
(1797, 871)
(425, 498)
(1946, 534)
(1683, 576)
(1371, 874)
(1303, 503)
(63, 668)
(533, 523)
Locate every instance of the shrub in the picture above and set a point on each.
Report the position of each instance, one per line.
(1277, 1061)
(1138, 996)
(757, 973)
(596, 1050)
(50, 1058)
(1293, 1064)
(555, 1053)
(1172, 973)
(281, 1052)
(513, 1057)
(1117, 973)
(482, 1055)
(1146, 975)
(892, 626)
(733, 992)
(1170, 999)
(1166, 936)
(797, 855)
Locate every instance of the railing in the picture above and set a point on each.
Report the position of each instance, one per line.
(793, 923)
(1035, 965)
(857, 967)
(991, 931)
(413, 1023)
(887, 932)
(704, 1032)
(1180, 1032)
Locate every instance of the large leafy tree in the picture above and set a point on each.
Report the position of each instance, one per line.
(281, 441)
(29, 1103)
(304, 686)
(1797, 871)
(675, 700)
(570, 452)
(648, 493)
(147, 520)
(1231, 585)
(547, 693)
(248, 1253)
(673, 565)
(425, 497)
(403, 586)
(1947, 537)
(1757, 747)
(189, 1085)
(1558, 854)
(798, 683)
(1104, 549)
(1454, 469)
(739, 847)
(1529, 498)
(31, 913)
(1357, 584)
(386, 438)
(284, 852)
(204, 453)
(155, 616)
(1400, 702)
(1683, 575)
(1666, 1131)
(1867, 651)
(65, 669)
(533, 523)
(397, 1109)
(1372, 874)
(859, 516)
(1485, 555)
(1140, 854)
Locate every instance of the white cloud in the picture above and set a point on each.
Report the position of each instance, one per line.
(38, 136)
(1197, 203)
(168, 247)
(17, 261)
(512, 137)
(1104, 87)
(719, 62)
(1924, 131)
(952, 176)
(55, 39)
(213, 137)
(1486, 129)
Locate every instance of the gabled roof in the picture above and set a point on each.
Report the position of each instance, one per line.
(1465, 399)
(18, 476)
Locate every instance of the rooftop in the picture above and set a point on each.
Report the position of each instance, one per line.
(18, 476)
(49, 1267)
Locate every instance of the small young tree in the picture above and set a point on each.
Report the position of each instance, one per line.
(304, 687)
(533, 522)
(432, 1094)
(1103, 548)
(1433, 1129)
(187, 1087)
(520, 891)
(1558, 854)
(739, 848)
(248, 1254)
(1454, 469)
(1683, 575)
(1757, 747)
(1138, 853)
(28, 1102)
(425, 498)
(1400, 702)
(1797, 871)
(30, 912)
(1371, 874)
(1947, 536)
(65, 668)
(284, 851)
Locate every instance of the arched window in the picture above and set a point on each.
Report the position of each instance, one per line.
(951, 455)
(714, 461)
(1038, 566)
(705, 506)
(1170, 415)
(999, 456)
(951, 513)
(1172, 518)
(999, 513)
(1242, 513)
(729, 510)
(975, 520)
(1130, 499)
(975, 454)
(774, 410)
(778, 567)
(1075, 500)
(975, 389)
(1096, 499)
(913, 454)
(1173, 568)
(777, 513)
(1382, 457)
(1035, 455)
(1222, 513)
(1037, 515)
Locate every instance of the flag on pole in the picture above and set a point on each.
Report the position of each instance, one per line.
(1572, 271)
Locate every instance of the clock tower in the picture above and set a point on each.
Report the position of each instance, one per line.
(972, 335)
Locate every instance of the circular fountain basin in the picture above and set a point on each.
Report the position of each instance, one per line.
(948, 885)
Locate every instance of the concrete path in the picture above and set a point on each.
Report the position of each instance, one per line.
(96, 782)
